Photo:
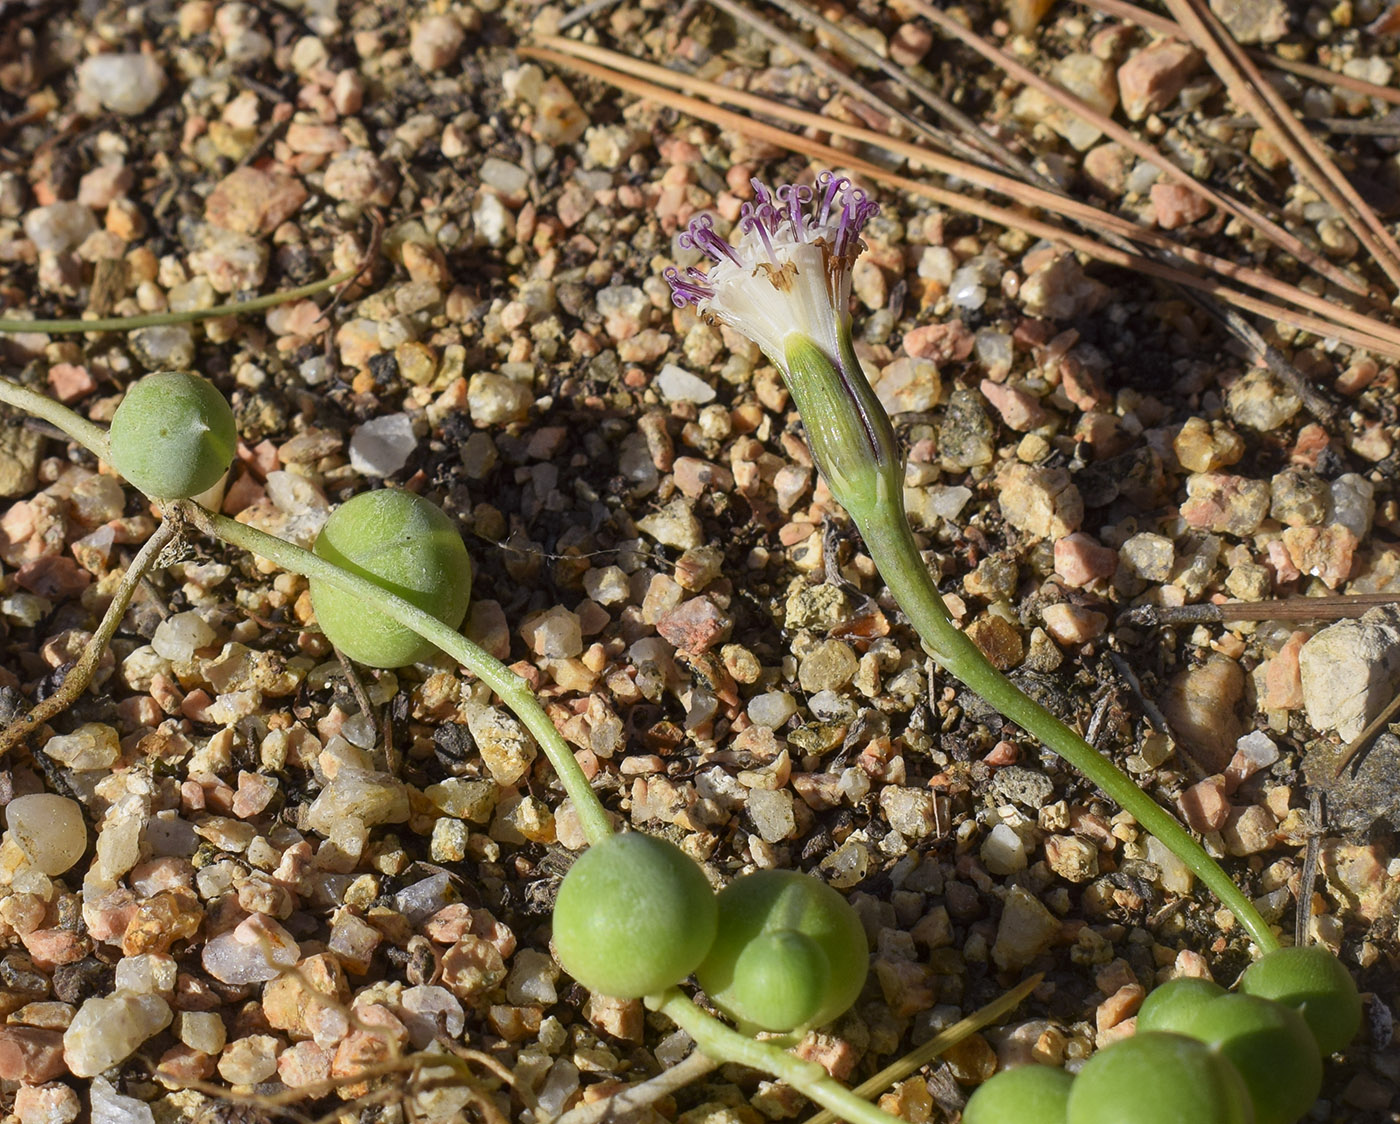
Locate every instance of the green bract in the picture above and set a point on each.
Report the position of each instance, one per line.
(757, 988)
(407, 546)
(1159, 1078)
(1171, 1006)
(1029, 1094)
(1271, 1047)
(1314, 983)
(173, 435)
(634, 916)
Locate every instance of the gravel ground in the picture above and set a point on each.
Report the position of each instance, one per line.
(656, 555)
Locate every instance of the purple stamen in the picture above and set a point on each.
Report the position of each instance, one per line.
(833, 186)
(751, 218)
(857, 209)
(688, 288)
(831, 214)
(700, 235)
(793, 196)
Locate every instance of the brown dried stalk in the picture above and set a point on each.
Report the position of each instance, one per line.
(1366, 333)
(1249, 90)
(1131, 13)
(1270, 229)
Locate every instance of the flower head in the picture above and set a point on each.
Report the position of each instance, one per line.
(791, 269)
(786, 285)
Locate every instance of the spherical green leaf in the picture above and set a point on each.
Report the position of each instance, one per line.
(405, 545)
(784, 978)
(778, 901)
(634, 916)
(1159, 1078)
(173, 435)
(1317, 985)
(1171, 1006)
(1272, 1048)
(1029, 1094)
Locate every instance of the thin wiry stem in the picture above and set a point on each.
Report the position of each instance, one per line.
(91, 437)
(896, 556)
(945, 1039)
(631, 1100)
(81, 673)
(721, 1041)
(512, 689)
(161, 319)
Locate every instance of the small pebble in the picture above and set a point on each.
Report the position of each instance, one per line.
(828, 667)
(772, 708)
(1350, 670)
(110, 1107)
(92, 746)
(676, 384)
(1151, 78)
(247, 1061)
(1025, 930)
(436, 42)
(1073, 859)
(258, 949)
(382, 445)
(59, 227)
(128, 84)
(46, 1104)
(109, 1030)
(1003, 852)
(49, 829)
(180, 635)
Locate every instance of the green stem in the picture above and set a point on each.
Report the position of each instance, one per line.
(512, 689)
(719, 1041)
(160, 319)
(91, 437)
(896, 554)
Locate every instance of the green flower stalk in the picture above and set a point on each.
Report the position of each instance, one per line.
(786, 284)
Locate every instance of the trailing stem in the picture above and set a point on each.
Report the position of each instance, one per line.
(80, 675)
(711, 1036)
(714, 1038)
(512, 689)
(884, 526)
(188, 316)
(720, 1041)
(91, 437)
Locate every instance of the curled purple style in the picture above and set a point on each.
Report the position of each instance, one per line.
(830, 214)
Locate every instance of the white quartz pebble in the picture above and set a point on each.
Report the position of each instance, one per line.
(49, 830)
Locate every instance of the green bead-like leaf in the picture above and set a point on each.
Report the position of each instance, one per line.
(1029, 1094)
(1171, 1006)
(1159, 1078)
(784, 977)
(1317, 985)
(173, 435)
(405, 545)
(634, 916)
(768, 902)
(1272, 1048)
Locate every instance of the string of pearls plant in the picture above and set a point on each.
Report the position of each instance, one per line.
(777, 952)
